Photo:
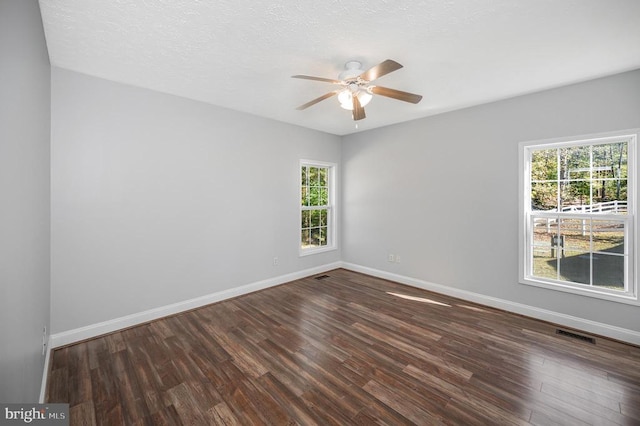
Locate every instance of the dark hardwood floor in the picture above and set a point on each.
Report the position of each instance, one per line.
(346, 349)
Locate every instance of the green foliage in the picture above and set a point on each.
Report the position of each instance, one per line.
(315, 186)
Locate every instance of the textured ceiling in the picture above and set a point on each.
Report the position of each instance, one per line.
(240, 54)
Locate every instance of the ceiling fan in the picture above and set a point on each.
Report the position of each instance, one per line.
(356, 89)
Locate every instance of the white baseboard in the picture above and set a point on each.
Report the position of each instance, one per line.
(76, 335)
(588, 326)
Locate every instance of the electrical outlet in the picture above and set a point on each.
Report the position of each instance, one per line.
(391, 258)
(397, 258)
(275, 261)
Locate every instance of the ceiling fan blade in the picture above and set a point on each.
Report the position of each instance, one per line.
(383, 68)
(316, 100)
(358, 110)
(396, 94)
(309, 77)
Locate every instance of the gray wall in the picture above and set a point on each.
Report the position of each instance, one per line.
(24, 199)
(158, 199)
(442, 192)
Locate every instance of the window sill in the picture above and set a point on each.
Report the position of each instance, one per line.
(316, 250)
(626, 298)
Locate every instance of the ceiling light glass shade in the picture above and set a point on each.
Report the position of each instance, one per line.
(346, 100)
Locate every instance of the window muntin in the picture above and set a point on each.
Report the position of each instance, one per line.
(316, 207)
(579, 215)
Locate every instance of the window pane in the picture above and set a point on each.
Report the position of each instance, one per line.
(314, 196)
(544, 196)
(618, 158)
(305, 239)
(608, 271)
(322, 240)
(313, 176)
(544, 264)
(303, 177)
(575, 234)
(315, 218)
(323, 199)
(610, 173)
(304, 196)
(575, 266)
(315, 236)
(611, 156)
(608, 236)
(575, 196)
(543, 231)
(574, 246)
(322, 177)
(544, 165)
(306, 219)
(574, 162)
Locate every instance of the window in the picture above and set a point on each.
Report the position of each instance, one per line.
(578, 215)
(317, 188)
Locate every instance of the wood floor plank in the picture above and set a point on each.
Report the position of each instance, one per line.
(631, 411)
(239, 400)
(166, 417)
(324, 409)
(222, 414)
(82, 414)
(182, 397)
(131, 396)
(105, 392)
(378, 413)
(605, 411)
(347, 349)
(287, 399)
(58, 386)
(399, 403)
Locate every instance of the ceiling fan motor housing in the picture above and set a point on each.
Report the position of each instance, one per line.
(352, 69)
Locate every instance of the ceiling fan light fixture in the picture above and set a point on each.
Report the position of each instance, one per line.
(364, 97)
(345, 98)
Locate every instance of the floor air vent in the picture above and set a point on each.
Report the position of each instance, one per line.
(321, 277)
(576, 336)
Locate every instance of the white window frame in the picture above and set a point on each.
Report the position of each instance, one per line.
(630, 296)
(331, 208)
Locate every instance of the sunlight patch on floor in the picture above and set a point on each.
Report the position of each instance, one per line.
(473, 308)
(417, 299)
